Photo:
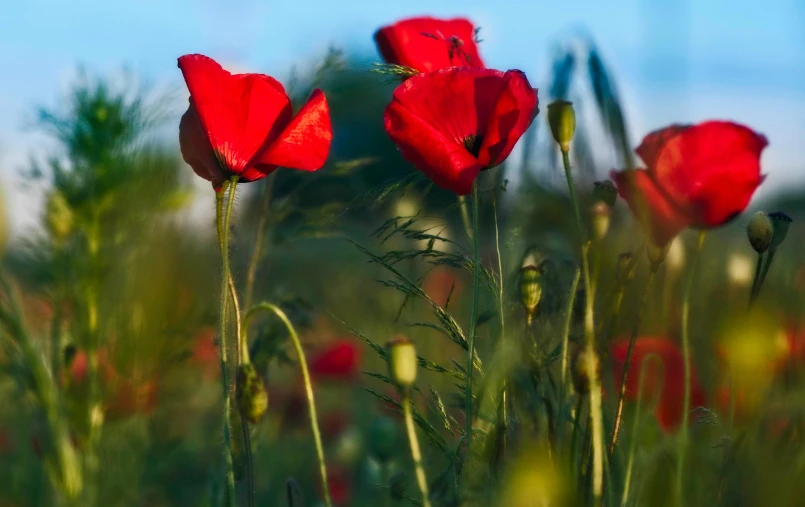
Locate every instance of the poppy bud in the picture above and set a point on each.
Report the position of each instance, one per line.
(402, 361)
(760, 230)
(530, 289)
(59, 219)
(581, 380)
(626, 269)
(599, 220)
(251, 393)
(605, 191)
(562, 119)
(656, 254)
(383, 439)
(780, 223)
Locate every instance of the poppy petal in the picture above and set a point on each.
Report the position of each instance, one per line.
(658, 214)
(238, 112)
(427, 44)
(516, 108)
(712, 168)
(649, 149)
(305, 142)
(196, 149)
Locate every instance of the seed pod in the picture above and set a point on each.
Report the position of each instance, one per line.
(562, 119)
(530, 289)
(600, 214)
(383, 435)
(402, 361)
(626, 269)
(656, 254)
(606, 192)
(251, 393)
(760, 231)
(780, 223)
(581, 380)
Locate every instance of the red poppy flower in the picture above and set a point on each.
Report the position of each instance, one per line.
(338, 361)
(243, 124)
(428, 44)
(132, 397)
(452, 123)
(205, 353)
(338, 480)
(701, 176)
(78, 368)
(669, 378)
(441, 283)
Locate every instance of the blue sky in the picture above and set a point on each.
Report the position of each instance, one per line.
(675, 60)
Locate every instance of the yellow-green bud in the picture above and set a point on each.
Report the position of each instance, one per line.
(780, 222)
(59, 219)
(605, 191)
(581, 379)
(600, 214)
(656, 254)
(626, 268)
(383, 435)
(562, 118)
(402, 361)
(530, 289)
(759, 230)
(251, 394)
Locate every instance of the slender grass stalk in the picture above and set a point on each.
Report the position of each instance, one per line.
(683, 432)
(476, 288)
(416, 454)
(465, 215)
(629, 352)
(504, 396)
(596, 417)
(571, 301)
(574, 438)
(635, 424)
(259, 239)
(311, 402)
(223, 217)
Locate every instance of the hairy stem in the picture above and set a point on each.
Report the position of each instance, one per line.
(416, 454)
(476, 288)
(683, 432)
(596, 417)
(311, 402)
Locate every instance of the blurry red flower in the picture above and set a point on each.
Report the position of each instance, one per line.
(130, 397)
(439, 283)
(795, 338)
(338, 361)
(334, 424)
(428, 44)
(78, 368)
(669, 378)
(453, 123)
(205, 353)
(338, 478)
(243, 124)
(697, 176)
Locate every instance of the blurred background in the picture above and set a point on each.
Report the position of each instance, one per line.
(90, 101)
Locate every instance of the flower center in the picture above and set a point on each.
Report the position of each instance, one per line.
(473, 144)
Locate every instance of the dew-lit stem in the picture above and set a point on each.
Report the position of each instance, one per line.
(683, 432)
(628, 362)
(223, 217)
(596, 419)
(476, 288)
(416, 454)
(311, 402)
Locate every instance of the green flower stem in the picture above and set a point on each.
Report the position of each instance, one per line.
(416, 454)
(465, 215)
(596, 416)
(504, 396)
(756, 279)
(311, 402)
(766, 266)
(683, 432)
(476, 287)
(571, 301)
(222, 222)
(635, 425)
(627, 364)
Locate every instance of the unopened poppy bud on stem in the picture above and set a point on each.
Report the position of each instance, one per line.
(581, 379)
(656, 254)
(402, 361)
(251, 393)
(780, 223)
(383, 434)
(530, 289)
(605, 191)
(562, 118)
(600, 214)
(760, 230)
